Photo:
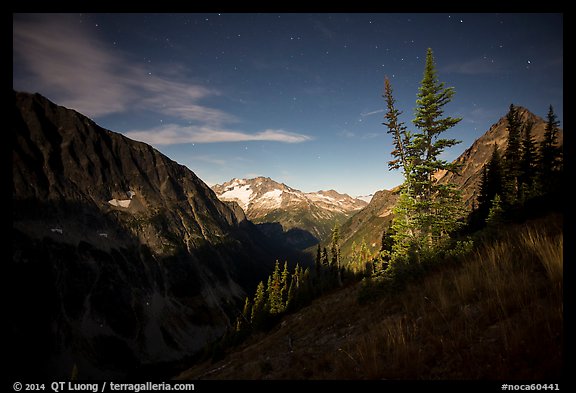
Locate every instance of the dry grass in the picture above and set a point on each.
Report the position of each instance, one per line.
(497, 315)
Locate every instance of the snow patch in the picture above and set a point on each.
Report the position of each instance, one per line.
(317, 197)
(120, 202)
(123, 202)
(273, 198)
(242, 195)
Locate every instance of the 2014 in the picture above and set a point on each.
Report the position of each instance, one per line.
(34, 386)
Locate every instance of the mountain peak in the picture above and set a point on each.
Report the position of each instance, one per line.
(478, 154)
(266, 200)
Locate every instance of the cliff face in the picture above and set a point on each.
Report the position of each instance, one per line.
(121, 257)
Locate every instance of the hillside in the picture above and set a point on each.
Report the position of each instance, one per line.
(369, 224)
(466, 320)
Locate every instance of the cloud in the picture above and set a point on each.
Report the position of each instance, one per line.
(372, 113)
(175, 134)
(65, 60)
(57, 55)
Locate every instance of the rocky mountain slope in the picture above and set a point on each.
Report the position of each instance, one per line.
(121, 257)
(369, 224)
(476, 156)
(267, 201)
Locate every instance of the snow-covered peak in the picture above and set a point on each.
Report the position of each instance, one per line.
(260, 195)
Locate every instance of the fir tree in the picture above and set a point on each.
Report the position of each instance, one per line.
(512, 156)
(426, 211)
(400, 135)
(335, 250)
(258, 315)
(275, 291)
(496, 214)
(428, 146)
(492, 182)
(528, 160)
(285, 283)
(550, 153)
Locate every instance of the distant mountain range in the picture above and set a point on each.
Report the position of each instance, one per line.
(267, 201)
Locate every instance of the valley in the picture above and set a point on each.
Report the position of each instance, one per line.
(151, 265)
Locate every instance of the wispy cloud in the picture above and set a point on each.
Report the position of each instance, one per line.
(67, 62)
(372, 113)
(175, 134)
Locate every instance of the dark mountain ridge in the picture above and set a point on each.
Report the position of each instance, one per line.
(120, 256)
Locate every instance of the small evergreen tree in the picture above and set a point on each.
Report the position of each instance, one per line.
(550, 153)
(285, 283)
(275, 291)
(492, 183)
(528, 160)
(258, 315)
(335, 250)
(496, 214)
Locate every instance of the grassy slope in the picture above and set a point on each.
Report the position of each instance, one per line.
(497, 315)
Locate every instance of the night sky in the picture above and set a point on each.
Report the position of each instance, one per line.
(295, 97)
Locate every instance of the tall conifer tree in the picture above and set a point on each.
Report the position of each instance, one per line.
(426, 210)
